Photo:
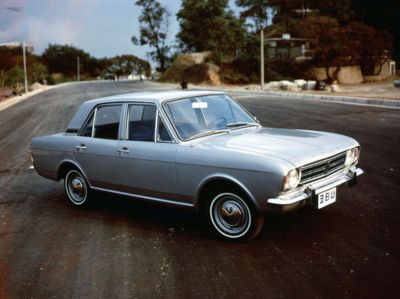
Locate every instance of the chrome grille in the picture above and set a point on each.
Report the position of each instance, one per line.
(322, 168)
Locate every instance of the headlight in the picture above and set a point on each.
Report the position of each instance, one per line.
(291, 180)
(31, 156)
(352, 156)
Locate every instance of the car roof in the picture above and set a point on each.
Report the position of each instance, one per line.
(156, 96)
(151, 97)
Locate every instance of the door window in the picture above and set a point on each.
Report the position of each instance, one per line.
(141, 122)
(106, 125)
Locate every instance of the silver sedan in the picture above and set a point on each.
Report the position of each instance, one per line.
(198, 150)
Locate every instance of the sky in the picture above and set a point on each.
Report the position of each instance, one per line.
(103, 28)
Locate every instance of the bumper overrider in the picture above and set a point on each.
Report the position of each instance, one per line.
(306, 194)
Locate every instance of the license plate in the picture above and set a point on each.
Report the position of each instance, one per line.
(326, 198)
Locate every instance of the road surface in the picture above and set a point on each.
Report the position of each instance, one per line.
(119, 248)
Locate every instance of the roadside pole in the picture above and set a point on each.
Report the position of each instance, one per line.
(78, 71)
(262, 57)
(25, 72)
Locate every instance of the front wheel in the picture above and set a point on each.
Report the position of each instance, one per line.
(233, 218)
(76, 188)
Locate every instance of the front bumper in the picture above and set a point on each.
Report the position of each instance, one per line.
(305, 194)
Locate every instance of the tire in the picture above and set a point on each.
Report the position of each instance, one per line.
(76, 188)
(233, 218)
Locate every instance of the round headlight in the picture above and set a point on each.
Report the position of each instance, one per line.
(291, 180)
(352, 157)
(356, 155)
(349, 158)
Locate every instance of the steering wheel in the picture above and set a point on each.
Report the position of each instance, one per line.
(219, 122)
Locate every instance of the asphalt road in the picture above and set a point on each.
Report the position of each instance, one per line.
(119, 248)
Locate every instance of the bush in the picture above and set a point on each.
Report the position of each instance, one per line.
(233, 77)
(14, 75)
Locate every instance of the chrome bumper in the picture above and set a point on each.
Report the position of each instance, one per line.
(309, 190)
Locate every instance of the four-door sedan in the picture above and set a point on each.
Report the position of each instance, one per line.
(199, 150)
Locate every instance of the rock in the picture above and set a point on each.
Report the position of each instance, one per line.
(192, 68)
(36, 86)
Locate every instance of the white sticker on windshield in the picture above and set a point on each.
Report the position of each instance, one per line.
(199, 105)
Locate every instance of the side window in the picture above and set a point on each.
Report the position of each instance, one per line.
(87, 131)
(106, 124)
(163, 134)
(141, 122)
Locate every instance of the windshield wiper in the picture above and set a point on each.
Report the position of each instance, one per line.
(240, 124)
(206, 133)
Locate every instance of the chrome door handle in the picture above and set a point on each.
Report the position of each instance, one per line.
(81, 147)
(123, 150)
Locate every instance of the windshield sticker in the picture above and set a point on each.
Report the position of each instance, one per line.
(199, 105)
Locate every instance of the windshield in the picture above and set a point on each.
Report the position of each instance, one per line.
(200, 116)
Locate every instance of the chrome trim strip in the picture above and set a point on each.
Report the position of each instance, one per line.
(154, 199)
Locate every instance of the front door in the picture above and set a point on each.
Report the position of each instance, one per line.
(147, 155)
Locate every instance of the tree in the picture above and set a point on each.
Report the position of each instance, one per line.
(154, 25)
(283, 11)
(338, 9)
(63, 59)
(127, 64)
(328, 44)
(337, 46)
(208, 25)
(373, 46)
(383, 15)
(255, 10)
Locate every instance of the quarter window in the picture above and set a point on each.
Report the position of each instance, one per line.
(163, 134)
(87, 131)
(106, 124)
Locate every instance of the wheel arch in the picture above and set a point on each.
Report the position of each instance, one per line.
(218, 180)
(66, 165)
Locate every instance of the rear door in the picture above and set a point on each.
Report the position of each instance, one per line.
(96, 146)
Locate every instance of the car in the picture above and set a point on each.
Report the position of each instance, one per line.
(198, 150)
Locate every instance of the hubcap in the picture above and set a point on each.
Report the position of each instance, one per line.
(76, 187)
(230, 215)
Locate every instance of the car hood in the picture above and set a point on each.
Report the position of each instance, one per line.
(298, 147)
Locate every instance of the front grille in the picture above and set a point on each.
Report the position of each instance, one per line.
(322, 168)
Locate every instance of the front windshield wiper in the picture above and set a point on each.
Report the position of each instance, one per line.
(240, 124)
(206, 133)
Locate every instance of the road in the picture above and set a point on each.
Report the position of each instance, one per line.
(119, 248)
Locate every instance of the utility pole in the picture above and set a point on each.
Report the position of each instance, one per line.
(25, 72)
(78, 71)
(262, 57)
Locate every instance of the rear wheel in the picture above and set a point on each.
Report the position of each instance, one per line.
(76, 188)
(232, 217)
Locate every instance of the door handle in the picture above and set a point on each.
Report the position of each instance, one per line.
(81, 147)
(123, 150)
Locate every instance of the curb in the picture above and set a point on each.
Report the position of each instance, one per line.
(382, 103)
(16, 99)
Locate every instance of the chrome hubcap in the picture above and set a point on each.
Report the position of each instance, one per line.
(230, 215)
(76, 187)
